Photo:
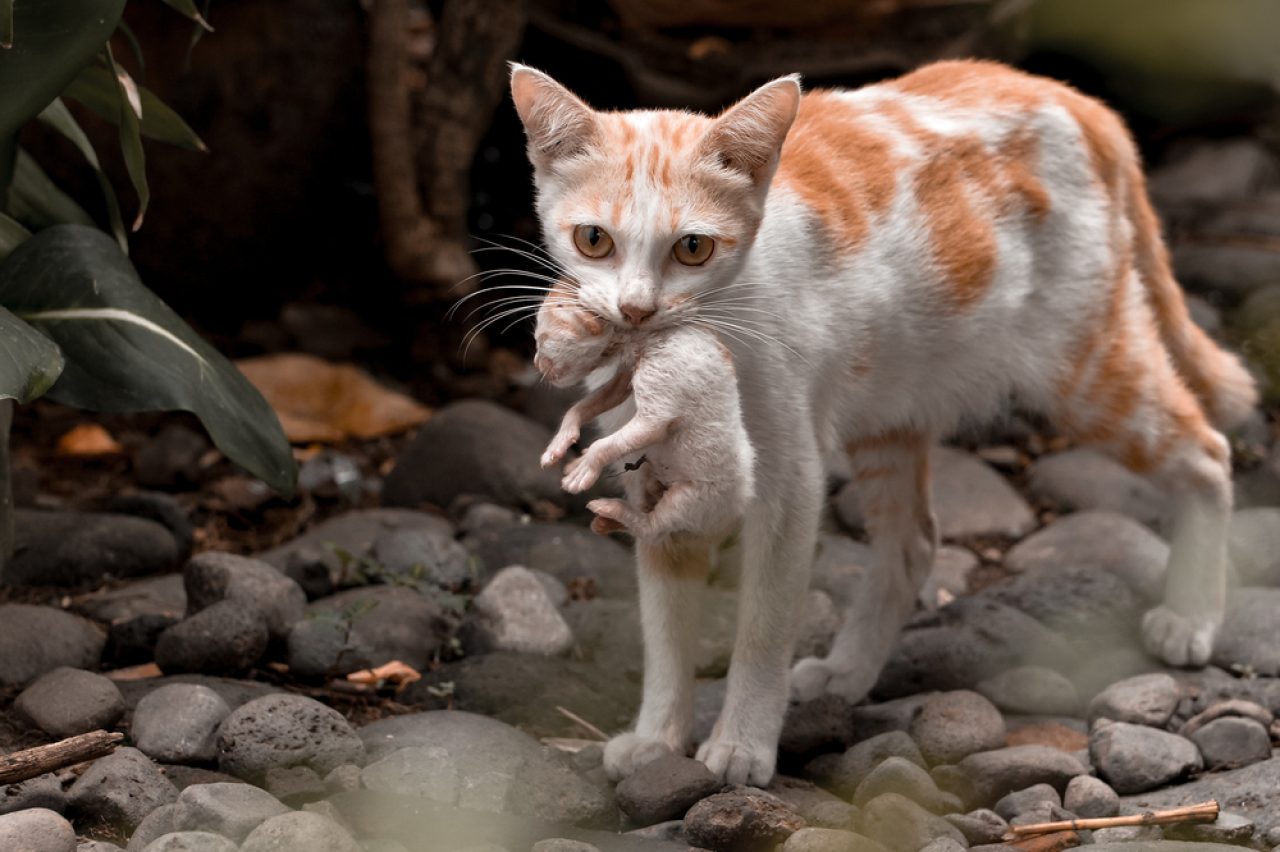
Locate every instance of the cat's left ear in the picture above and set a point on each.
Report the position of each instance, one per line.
(556, 121)
(748, 136)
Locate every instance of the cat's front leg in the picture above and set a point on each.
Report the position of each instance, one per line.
(570, 432)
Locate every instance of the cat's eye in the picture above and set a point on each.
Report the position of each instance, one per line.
(694, 249)
(593, 241)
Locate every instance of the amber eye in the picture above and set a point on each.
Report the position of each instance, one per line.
(694, 249)
(593, 241)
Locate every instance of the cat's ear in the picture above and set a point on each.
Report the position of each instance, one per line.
(748, 136)
(556, 121)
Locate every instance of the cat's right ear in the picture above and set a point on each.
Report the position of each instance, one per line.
(556, 121)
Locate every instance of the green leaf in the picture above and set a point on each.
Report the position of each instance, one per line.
(188, 8)
(98, 90)
(128, 351)
(36, 201)
(12, 235)
(57, 116)
(29, 361)
(53, 40)
(135, 159)
(135, 47)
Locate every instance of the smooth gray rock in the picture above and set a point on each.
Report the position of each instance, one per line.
(120, 789)
(178, 723)
(67, 701)
(829, 840)
(900, 824)
(295, 785)
(980, 827)
(1248, 635)
(1090, 797)
(664, 789)
(163, 595)
(514, 613)
(36, 830)
(1148, 699)
(1232, 742)
(225, 638)
(1020, 801)
(1252, 791)
(232, 810)
(1095, 608)
(300, 830)
(97, 846)
(1231, 707)
(547, 786)
(811, 727)
(43, 791)
(1032, 691)
(421, 772)
(1104, 542)
(344, 778)
(843, 774)
(743, 818)
(1083, 479)
(1228, 828)
(1135, 758)
(944, 844)
(953, 725)
(970, 498)
(1001, 771)
(562, 844)
(901, 776)
(429, 556)
(154, 825)
(366, 627)
(212, 577)
(39, 639)
(191, 841)
(572, 554)
(70, 548)
(285, 730)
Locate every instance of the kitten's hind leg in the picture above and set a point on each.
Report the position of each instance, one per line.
(892, 474)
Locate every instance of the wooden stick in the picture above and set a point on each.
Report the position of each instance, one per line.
(28, 763)
(1203, 812)
(576, 719)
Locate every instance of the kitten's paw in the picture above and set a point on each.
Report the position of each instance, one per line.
(615, 514)
(739, 762)
(559, 445)
(579, 475)
(1178, 639)
(809, 679)
(626, 753)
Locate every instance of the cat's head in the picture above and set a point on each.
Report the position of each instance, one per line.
(648, 211)
(572, 341)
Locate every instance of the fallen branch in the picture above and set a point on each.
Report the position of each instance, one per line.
(29, 763)
(578, 720)
(1203, 812)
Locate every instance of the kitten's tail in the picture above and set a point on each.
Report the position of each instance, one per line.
(1218, 379)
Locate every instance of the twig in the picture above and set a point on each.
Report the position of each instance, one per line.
(1203, 812)
(590, 728)
(29, 763)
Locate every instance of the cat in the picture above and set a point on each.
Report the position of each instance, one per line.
(692, 485)
(886, 264)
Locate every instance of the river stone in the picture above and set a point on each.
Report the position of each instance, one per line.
(70, 548)
(664, 789)
(1081, 479)
(1102, 542)
(572, 554)
(285, 730)
(980, 827)
(191, 841)
(225, 638)
(120, 789)
(39, 639)
(36, 830)
(429, 556)
(1090, 797)
(842, 774)
(178, 723)
(1232, 742)
(743, 819)
(229, 809)
(366, 627)
(354, 533)
(422, 772)
(154, 825)
(829, 840)
(953, 725)
(1135, 758)
(1020, 801)
(43, 791)
(1148, 699)
(1001, 771)
(67, 701)
(970, 498)
(514, 613)
(212, 577)
(901, 776)
(300, 830)
(900, 824)
(1248, 635)
(1032, 691)
(164, 595)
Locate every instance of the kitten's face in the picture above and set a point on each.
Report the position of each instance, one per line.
(649, 212)
(572, 342)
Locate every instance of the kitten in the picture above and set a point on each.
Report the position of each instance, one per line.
(695, 477)
(886, 264)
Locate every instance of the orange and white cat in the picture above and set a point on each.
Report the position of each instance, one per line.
(887, 263)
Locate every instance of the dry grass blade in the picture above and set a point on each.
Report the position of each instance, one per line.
(578, 720)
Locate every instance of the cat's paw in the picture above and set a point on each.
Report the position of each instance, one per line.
(739, 761)
(813, 677)
(615, 514)
(559, 445)
(1177, 639)
(579, 475)
(626, 753)
(809, 679)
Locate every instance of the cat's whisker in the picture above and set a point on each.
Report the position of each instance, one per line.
(736, 323)
(537, 288)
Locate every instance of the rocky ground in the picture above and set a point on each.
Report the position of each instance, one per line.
(1018, 693)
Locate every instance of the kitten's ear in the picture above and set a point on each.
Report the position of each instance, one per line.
(748, 136)
(556, 122)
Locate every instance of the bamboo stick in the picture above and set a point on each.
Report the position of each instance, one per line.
(1203, 812)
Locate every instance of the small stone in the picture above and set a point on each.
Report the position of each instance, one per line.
(300, 830)
(36, 830)
(980, 826)
(162, 595)
(178, 723)
(1020, 801)
(285, 730)
(1148, 699)
(953, 725)
(225, 638)
(295, 785)
(343, 779)
(162, 508)
(846, 772)
(548, 787)
(944, 844)
(900, 824)
(429, 556)
(1083, 479)
(190, 841)
(901, 776)
(67, 701)
(97, 846)
(1212, 173)
(664, 789)
(816, 726)
(1240, 707)
(366, 627)
(43, 791)
(833, 814)
(740, 820)
(562, 844)
(212, 577)
(120, 789)
(972, 499)
(1248, 635)
(1228, 828)
(514, 613)
(71, 548)
(1096, 542)
(1135, 758)
(1128, 834)
(829, 840)
(230, 809)
(424, 773)
(897, 714)
(133, 642)
(1090, 797)
(1032, 691)
(572, 554)
(995, 773)
(1232, 742)
(39, 639)
(154, 825)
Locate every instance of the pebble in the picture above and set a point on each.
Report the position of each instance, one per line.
(154, 825)
(953, 725)
(896, 714)
(97, 846)
(43, 791)
(225, 638)
(120, 789)
(295, 785)
(285, 730)
(1248, 635)
(1083, 479)
(901, 776)
(843, 774)
(1232, 742)
(39, 639)
(995, 773)
(163, 595)
(812, 727)
(572, 554)
(1032, 691)
(971, 499)
(343, 779)
(366, 627)
(429, 556)
(300, 830)
(829, 840)
(1129, 834)
(1135, 758)
(514, 613)
(547, 786)
(68, 701)
(980, 826)
(1231, 707)
(1228, 828)
(1148, 699)
(71, 548)
(229, 809)
(191, 841)
(212, 577)
(740, 820)
(36, 830)
(178, 723)
(162, 508)
(1090, 797)
(422, 772)
(900, 824)
(944, 844)
(562, 844)
(1020, 801)
(664, 789)
(1103, 542)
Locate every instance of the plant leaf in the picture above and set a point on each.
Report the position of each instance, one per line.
(188, 8)
(130, 112)
(29, 361)
(53, 40)
(6, 24)
(128, 351)
(135, 47)
(98, 90)
(12, 235)
(57, 116)
(36, 201)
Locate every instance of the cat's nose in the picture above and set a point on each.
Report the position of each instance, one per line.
(636, 314)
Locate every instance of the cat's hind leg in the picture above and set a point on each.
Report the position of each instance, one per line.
(892, 476)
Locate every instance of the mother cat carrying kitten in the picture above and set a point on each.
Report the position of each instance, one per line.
(886, 264)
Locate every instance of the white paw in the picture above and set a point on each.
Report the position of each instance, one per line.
(1178, 639)
(813, 677)
(626, 753)
(579, 475)
(739, 762)
(559, 445)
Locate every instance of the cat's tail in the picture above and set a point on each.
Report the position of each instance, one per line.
(1218, 379)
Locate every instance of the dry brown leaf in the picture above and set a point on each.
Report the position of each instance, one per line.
(324, 402)
(146, 671)
(88, 439)
(401, 674)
